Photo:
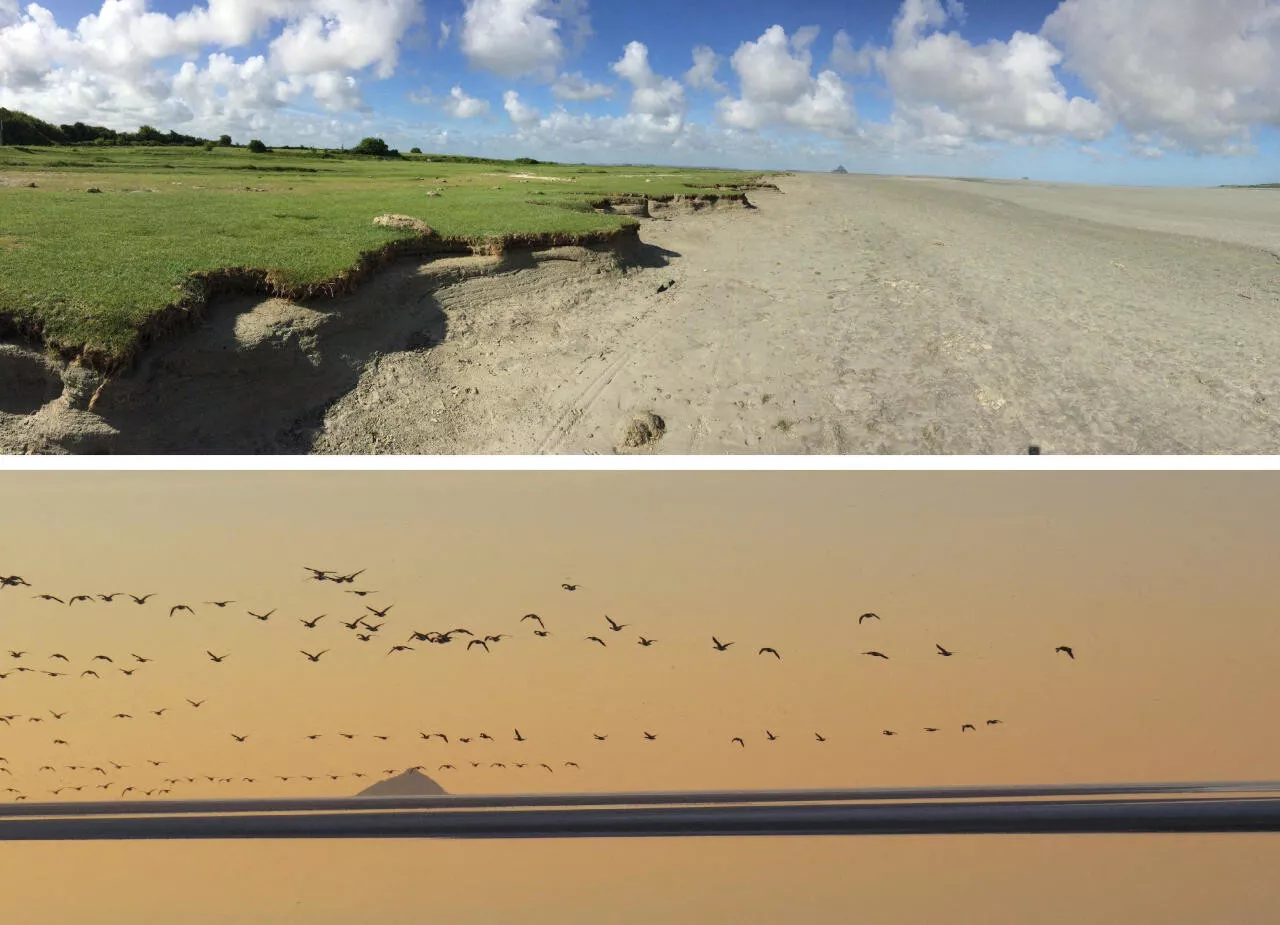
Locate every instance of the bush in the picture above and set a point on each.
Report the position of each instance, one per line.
(208, 145)
(224, 140)
(415, 150)
(371, 146)
(257, 147)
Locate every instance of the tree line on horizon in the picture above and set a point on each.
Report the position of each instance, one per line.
(19, 128)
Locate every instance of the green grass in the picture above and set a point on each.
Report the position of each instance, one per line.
(86, 271)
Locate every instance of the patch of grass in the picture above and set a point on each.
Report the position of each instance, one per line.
(93, 268)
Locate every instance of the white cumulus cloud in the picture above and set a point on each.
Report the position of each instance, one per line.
(521, 38)
(521, 113)
(1196, 73)
(778, 87)
(999, 90)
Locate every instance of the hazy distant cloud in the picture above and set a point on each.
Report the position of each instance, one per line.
(461, 106)
(521, 38)
(445, 30)
(578, 88)
(702, 76)
(847, 61)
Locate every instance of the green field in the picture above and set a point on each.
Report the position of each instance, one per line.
(85, 271)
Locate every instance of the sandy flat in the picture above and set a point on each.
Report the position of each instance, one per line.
(856, 314)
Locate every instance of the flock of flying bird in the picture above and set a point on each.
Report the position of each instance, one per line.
(364, 629)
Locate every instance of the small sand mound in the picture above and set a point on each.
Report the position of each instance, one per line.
(407, 222)
(642, 430)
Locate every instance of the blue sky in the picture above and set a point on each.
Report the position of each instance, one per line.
(1108, 91)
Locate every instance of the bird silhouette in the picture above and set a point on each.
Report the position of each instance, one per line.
(569, 587)
(889, 732)
(16, 654)
(573, 764)
(465, 740)
(596, 639)
(160, 712)
(89, 671)
(316, 656)
(400, 649)
(57, 715)
(770, 736)
(646, 642)
(348, 735)
(127, 672)
(478, 642)
(102, 658)
(994, 722)
(942, 651)
(109, 598)
(650, 736)
(876, 654)
(311, 624)
(318, 574)
(177, 607)
(447, 767)
(968, 727)
(1068, 650)
(868, 616)
(216, 658)
(616, 627)
(819, 737)
(598, 737)
(533, 616)
(80, 597)
(364, 637)
(49, 597)
(359, 621)
(264, 617)
(122, 716)
(773, 651)
(239, 738)
(543, 633)
(59, 655)
(518, 737)
(361, 593)
(139, 659)
(347, 579)
(141, 600)
(930, 729)
(219, 604)
(720, 646)
(195, 703)
(739, 740)
(498, 637)
(380, 614)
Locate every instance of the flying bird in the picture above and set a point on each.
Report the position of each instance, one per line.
(770, 736)
(141, 600)
(573, 764)
(311, 624)
(738, 739)
(176, 607)
(569, 587)
(318, 574)
(109, 598)
(772, 650)
(102, 658)
(720, 646)
(139, 659)
(543, 633)
(215, 658)
(968, 726)
(239, 738)
(646, 642)
(889, 732)
(219, 604)
(533, 616)
(650, 736)
(316, 656)
(1067, 649)
(89, 671)
(49, 597)
(518, 737)
(868, 616)
(59, 655)
(596, 639)
(819, 737)
(616, 627)
(478, 642)
(994, 722)
(380, 614)
(598, 737)
(264, 617)
(876, 654)
(194, 703)
(930, 729)
(80, 597)
(400, 649)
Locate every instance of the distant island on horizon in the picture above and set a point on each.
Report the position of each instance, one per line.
(412, 783)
